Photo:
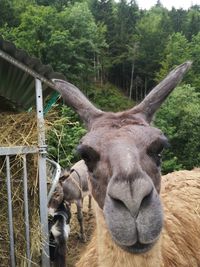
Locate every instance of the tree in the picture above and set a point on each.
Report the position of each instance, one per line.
(103, 12)
(84, 40)
(193, 22)
(194, 48)
(179, 118)
(67, 40)
(121, 54)
(153, 30)
(176, 52)
(35, 28)
(178, 18)
(7, 13)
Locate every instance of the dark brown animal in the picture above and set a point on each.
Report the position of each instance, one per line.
(123, 154)
(72, 188)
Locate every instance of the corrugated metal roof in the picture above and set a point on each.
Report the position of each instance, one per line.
(17, 72)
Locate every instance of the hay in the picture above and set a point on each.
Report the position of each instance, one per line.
(19, 130)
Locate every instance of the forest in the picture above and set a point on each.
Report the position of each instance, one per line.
(116, 53)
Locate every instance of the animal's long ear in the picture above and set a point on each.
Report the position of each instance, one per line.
(76, 99)
(156, 97)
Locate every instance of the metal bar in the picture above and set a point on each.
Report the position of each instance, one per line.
(16, 150)
(10, 214)
(42, 175)
(56, 178)
(26, 213)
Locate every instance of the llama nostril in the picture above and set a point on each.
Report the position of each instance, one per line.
(132, 197)
(147, 199)
(117, 202)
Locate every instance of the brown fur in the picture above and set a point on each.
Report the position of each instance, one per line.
(179, 245)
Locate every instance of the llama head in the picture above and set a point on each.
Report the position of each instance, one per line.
(123, 153)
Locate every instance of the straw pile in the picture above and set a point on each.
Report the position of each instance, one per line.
(19, 130)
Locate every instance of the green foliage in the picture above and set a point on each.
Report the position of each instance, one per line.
(176, 52)
(152, 41)
(7, 13)
(193, 22)
(36, 25)
(64, 136)
(179, 118)
(194, 47)
(109, 98)
(67, 40)
(83, 40)
(59, 4)
(178, 18)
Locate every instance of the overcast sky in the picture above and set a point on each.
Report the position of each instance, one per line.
(185, 4)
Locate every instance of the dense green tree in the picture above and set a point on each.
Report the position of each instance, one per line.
(103, 12)
(193, 21)
(7, 13)
(67, 40)
(176, 52)
(179, 118)
(52, 2)
(35, 28)
(153, 30)
(127, 14)
(178, 19)
(104, 15)
(194, 48)
(85, 39)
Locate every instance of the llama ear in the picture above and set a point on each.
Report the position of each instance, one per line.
(156, 97)
(76, 99)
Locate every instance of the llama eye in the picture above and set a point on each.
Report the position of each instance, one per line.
(89, 155)
(156, 148)
(156, 154)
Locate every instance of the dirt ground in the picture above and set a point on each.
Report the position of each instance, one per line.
(75, 246)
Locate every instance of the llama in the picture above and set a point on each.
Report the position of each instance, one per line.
(72, 188)
(58, 234)
(179, 243)
(123, 154)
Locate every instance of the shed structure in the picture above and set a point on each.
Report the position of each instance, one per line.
(24, 83)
